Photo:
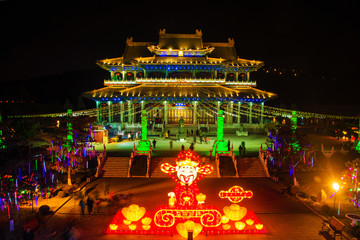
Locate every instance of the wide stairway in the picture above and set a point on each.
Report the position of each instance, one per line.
(250, 167)
(155, 170)
(116, 167)
(226, 166)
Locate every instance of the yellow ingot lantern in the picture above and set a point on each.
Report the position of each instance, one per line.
(201, 198)
(146, 221)
(240, 225)
(146, 227)
(113, 227)
(184, 228)
(226, 226)
(259, 226)
(224, 219)
(132, 226)
(234, 212)
(249, 222)
(127, 222)
(133, 212)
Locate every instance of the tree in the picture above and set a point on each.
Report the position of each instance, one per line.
(288, 148)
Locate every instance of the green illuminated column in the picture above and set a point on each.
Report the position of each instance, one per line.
(220, 145)
(358, 144)
(121, 112)
(250, 113)
(195, 112)
(165, 112)
(239, 115)
(144, 144)
(262, 114)
(218, 109)
(295, 143)
(110, 112)
(69, 137)
(129, 112)
(220, 128)
(231, 112)
(97, 112)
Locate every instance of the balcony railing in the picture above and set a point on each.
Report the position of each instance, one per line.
(178, 81)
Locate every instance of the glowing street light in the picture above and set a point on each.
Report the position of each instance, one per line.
(336, 186)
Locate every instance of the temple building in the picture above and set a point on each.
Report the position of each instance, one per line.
(180, 76)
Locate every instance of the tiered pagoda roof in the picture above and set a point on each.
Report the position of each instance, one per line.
(180, 67)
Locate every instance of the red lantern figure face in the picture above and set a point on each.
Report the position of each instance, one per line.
(187, 174)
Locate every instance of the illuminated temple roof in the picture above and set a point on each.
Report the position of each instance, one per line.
(179, 48)
(180, 67)
(179, 92)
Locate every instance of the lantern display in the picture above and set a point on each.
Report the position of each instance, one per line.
(240, 225)
(133, 212)
(249, 222)
(234, 212)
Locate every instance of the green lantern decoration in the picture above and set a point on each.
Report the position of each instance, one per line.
(144, 143)
(220, 145)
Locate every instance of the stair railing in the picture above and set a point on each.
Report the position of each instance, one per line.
(263, 161)
(130, 163)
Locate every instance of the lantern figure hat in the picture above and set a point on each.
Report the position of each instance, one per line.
(187, 167)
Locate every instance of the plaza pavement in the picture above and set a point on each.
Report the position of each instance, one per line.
(284, 217)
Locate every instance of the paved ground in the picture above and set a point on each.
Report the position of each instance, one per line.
(252, 144)
(284, 217)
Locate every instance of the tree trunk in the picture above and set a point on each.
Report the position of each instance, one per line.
(69, 175)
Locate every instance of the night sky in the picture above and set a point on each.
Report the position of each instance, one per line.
(318, 39)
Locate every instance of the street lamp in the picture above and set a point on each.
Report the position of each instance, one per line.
(336, 187)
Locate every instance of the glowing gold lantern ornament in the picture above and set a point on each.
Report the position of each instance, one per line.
(201, 198)
(188, 226)
(132, 226)
(249, 222)
(113, 227)
(226, 226)
(259, 226)
(127, 222)
(224, 219)
(240, 225)
(146, 227)
(234, 212)
(146, 221)
(133, 212)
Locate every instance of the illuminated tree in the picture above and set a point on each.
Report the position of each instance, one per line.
(288, 148)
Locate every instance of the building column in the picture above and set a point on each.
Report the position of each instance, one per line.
(121, 112)
(129, 112)
(262, 114)
(250, 113)
(165, 112)
(110, 112)
(239, 115)
(195, 112)
(247, 76)
(231, 112)
(227, 113)
(97, 112)
(217, 110)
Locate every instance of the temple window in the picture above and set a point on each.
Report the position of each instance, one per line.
(129, 76)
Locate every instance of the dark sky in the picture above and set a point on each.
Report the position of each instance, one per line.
(52, 37)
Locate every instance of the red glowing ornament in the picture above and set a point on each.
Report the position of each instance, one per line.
(235, 194)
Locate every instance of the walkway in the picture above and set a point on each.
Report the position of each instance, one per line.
(283, 217)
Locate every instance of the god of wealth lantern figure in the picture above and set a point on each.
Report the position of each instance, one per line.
(187, 169)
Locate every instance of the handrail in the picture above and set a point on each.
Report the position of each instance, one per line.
(217, 164)
(263, 162)
(131, 159)
(101, 162)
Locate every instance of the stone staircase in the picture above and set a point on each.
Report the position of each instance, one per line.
(116, 167)
(155, 171)
(250, 167)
